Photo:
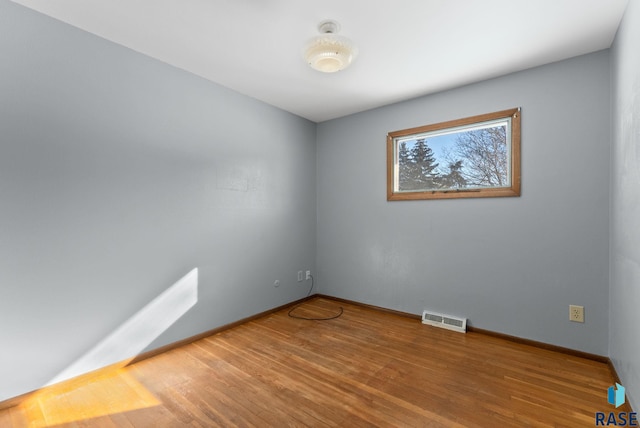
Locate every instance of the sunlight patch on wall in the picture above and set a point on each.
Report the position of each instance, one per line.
(70, 397)
(139, 331)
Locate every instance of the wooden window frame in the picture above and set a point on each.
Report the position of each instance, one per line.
(513, 189)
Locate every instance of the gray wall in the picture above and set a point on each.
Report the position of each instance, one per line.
(118, 175)
(624, 335)
(511, 265)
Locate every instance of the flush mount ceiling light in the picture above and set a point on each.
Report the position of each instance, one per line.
(329, 52)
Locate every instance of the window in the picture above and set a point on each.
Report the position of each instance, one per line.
(474, 157)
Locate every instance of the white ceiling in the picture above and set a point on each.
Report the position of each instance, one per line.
(407, 48)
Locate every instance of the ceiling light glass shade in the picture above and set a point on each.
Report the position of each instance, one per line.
(329, 52)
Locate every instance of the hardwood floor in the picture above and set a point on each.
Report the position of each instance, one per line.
(365, 368)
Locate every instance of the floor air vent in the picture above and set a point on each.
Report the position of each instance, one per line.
(444, 321)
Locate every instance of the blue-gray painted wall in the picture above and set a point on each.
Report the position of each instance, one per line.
(624, 328)
(512, 265)
(118, 175)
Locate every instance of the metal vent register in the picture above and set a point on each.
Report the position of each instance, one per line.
(445, 321)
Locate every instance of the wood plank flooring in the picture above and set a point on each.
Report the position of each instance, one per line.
(366, 368)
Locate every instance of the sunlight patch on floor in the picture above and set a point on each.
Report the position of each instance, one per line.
(115, 392)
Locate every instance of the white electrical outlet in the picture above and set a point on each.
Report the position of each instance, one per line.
(299, 275)
(308, 274)
(576, 313)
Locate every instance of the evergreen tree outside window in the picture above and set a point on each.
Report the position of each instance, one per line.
(473, 157)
